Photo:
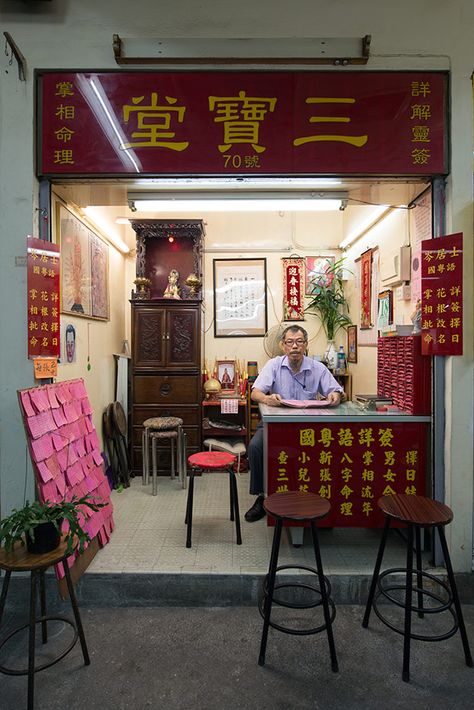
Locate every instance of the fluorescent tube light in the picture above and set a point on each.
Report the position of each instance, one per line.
(103, 226)
(376, 216)
(238, 201)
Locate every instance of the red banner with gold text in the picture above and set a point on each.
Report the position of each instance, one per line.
(43, 298)
(441, 296)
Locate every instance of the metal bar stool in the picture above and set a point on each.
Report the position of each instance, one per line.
(416, 512)
(164, 424)
(301, 508)
(20, 560)
(212, 461)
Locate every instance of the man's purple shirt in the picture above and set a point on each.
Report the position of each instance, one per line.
(313, 378)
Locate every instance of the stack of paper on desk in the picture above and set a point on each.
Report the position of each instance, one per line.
(305, 403)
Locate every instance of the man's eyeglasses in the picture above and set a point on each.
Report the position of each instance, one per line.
(298, 341)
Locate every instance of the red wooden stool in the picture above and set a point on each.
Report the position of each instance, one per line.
(212, 461)
(417, 512)
(299, 507)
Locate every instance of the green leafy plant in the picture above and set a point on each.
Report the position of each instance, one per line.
(22, 522)
(328, 301)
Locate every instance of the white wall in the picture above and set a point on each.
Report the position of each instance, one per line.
(405, 35)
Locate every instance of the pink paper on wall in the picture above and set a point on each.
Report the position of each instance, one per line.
(64, 448)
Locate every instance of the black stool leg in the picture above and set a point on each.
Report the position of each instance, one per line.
(375, 576)
(270, 588)
(31, 641)
(324, 597)
(408, 605)
(231, 491)
(419, 568)
(235, 505)
(44, 625)
(189, 510)
(6, 582)
(77, 616)
(454, 592)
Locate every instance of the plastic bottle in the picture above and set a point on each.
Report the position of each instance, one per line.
(341, 361)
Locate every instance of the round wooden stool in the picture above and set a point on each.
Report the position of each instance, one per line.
(416, 512)
(20, 560)
(212, 461)
(298, 507)
(163, 424)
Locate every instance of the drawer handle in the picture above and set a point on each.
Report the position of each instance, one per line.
(165, 389)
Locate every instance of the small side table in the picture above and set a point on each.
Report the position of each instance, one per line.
(20, 560)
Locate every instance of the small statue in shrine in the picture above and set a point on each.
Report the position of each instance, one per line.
(172, 289)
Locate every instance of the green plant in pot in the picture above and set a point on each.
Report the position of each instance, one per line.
(328, 301)
(39, 524)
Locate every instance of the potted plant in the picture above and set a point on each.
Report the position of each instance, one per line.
(39, 524)
(329, 303)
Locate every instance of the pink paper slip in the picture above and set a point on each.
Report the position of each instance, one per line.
(305, 403)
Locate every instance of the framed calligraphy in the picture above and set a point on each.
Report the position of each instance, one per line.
(366, 290)
(352, 343)
(84, 267)
(240, 297)
(293, 288)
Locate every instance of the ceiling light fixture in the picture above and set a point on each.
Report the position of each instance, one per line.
(92, 216)
(238, 201)
(376, 216)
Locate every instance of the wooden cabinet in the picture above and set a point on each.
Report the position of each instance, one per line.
(164, 337)
(166, 372)
(253, 412)
(236, 428)
(166, 332)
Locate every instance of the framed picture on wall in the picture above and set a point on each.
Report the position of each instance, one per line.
(351, 343)
(240, 297)
(226, 374)
(84, 267)
(385, 311)
(318, 273)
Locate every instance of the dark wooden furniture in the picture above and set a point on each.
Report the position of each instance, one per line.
(404, 374)
(218, 461)
(166, 335)
(20, 560)
(299, 508)
(252, 411)
(435, 596)
(166, 375)
(211, 412)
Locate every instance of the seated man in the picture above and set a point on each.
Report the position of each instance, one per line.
(288, 376)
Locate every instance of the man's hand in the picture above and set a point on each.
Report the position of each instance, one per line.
(334, 398)
(272, 400)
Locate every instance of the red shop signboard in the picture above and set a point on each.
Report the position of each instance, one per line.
(441, 296)
(352, 465)
(239, 123)
(43, 298)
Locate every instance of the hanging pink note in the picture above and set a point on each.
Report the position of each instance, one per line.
(42, 448)
(26, 403)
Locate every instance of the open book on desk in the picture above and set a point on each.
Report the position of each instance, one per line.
(305, 403)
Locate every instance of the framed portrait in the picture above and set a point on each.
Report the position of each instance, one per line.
(351, 343)
(318, 273)
(385, 311)
(226, 374)
(84, 267)
(240, 297)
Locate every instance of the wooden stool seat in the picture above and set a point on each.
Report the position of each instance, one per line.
(20, 560)
(416, 512)
(297, 506)
(212, 461)
(300, 507)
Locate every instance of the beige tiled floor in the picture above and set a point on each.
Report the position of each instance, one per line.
(150, 535)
